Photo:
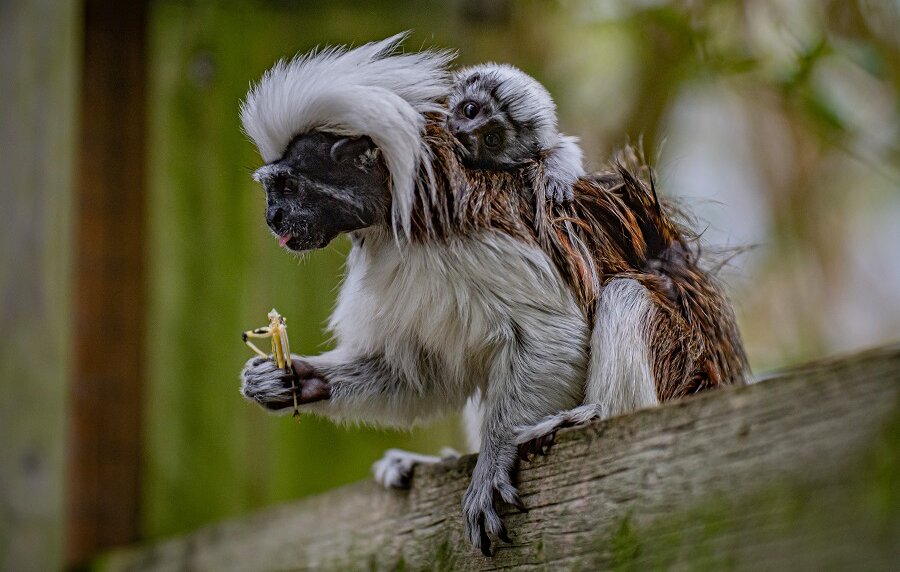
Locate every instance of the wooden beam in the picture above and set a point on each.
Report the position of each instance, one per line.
(800, 471)
(105, 438)
(38, 64)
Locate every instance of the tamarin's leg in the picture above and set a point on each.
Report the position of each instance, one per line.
(537, 371)
(537, 367)
(620, 376)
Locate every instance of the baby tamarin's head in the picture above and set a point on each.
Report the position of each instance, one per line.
(501, 115)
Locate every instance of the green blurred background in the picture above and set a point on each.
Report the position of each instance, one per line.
(775, 120)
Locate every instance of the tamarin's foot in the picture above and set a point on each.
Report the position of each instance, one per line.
(481, 516)
(395, 469)
(486, 490)
(537, 446)
(539, 438)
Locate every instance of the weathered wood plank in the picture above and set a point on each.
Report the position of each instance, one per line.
(798, 471)
(105, 441)
(38, 79)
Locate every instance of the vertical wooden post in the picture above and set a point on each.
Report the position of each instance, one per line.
(105, 439)
(38, 40)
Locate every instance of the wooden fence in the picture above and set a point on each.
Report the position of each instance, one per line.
(798, 471)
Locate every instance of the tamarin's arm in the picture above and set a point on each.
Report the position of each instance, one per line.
(340, 385)
(563, 166)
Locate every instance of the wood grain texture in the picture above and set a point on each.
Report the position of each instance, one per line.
(104, 443)
(38, 79)
(799, 471)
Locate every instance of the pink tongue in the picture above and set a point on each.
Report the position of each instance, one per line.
(282, 240)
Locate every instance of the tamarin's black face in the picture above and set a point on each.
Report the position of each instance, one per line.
(490, 139)
(324, 185)
(496, 120)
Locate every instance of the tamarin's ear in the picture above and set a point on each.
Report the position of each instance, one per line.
(348, 149)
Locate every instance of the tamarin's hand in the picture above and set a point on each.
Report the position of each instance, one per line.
(312, 384)
(271, 387)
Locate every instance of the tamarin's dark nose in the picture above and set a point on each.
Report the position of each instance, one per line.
(274, 216)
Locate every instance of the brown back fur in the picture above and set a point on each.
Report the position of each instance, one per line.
(626, 233)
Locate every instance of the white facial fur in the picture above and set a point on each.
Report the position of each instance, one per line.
(370, 90)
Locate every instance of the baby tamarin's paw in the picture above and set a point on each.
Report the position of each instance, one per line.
(559, 192)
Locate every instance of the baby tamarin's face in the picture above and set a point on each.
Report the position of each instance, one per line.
(501, 116)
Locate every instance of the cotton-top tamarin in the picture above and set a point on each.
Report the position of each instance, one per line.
(504, 119)
(462, 288)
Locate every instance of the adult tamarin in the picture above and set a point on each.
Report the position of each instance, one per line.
(465, 285)
(504, 118)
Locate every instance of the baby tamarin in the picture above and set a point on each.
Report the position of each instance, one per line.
(503, 118)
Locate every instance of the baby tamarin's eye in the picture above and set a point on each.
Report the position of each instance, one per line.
(470, 110)
(492, 139)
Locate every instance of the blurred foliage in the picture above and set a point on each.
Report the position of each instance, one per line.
(783, 111)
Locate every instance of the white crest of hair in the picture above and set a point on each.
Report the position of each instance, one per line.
(525, 98)
(372, 90)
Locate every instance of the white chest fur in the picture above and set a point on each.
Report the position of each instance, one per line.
(454, 303)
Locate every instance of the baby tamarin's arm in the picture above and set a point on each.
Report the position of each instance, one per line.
(562, 169)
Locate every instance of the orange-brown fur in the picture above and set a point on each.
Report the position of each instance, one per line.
(694, 340)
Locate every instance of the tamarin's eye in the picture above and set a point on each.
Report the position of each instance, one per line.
(470, 110)
(492, 139)
(290, 185)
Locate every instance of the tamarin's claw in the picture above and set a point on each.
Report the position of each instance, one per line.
(480, 510)
(537, 446)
